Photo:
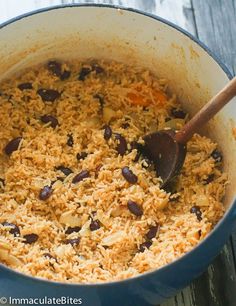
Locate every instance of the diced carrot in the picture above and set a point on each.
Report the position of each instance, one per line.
(159, 96)
(137, 99)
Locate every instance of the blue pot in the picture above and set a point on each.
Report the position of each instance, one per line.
(138, 38)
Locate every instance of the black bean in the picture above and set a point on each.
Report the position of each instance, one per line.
(55, 68)
(94, 225)
(129, 175)
(145, 245)
(178, 113)
(209, 179)
(80, 177)
(64, 170)
(125, 125)
(153, 231)
(2, 181)
(70, 230)
(216, 154)
(98, 69)
(45, 193)
(74, 241)
(48, 94)
(12, 145)
(65, 75)
(14, 229)
(70, 140)
(81, 155)
(24, 86)
(30, 238)
(51, 119)
(134, 208)
(122, 144)
(100, 99)
(85, 71)
(107, 132)
(196, 210)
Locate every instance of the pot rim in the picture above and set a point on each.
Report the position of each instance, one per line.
(226, 216)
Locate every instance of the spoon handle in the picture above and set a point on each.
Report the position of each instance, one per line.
(207, 112)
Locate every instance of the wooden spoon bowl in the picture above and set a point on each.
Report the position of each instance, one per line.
(167, 148)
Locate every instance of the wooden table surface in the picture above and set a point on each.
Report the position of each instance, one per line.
(214, 23)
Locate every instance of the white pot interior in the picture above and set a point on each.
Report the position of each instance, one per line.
(133, 38)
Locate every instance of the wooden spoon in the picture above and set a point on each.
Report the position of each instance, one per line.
(167, 148)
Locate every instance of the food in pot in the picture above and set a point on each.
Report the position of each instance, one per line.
(79, 200)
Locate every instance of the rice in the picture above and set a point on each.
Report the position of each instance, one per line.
(64, 200)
